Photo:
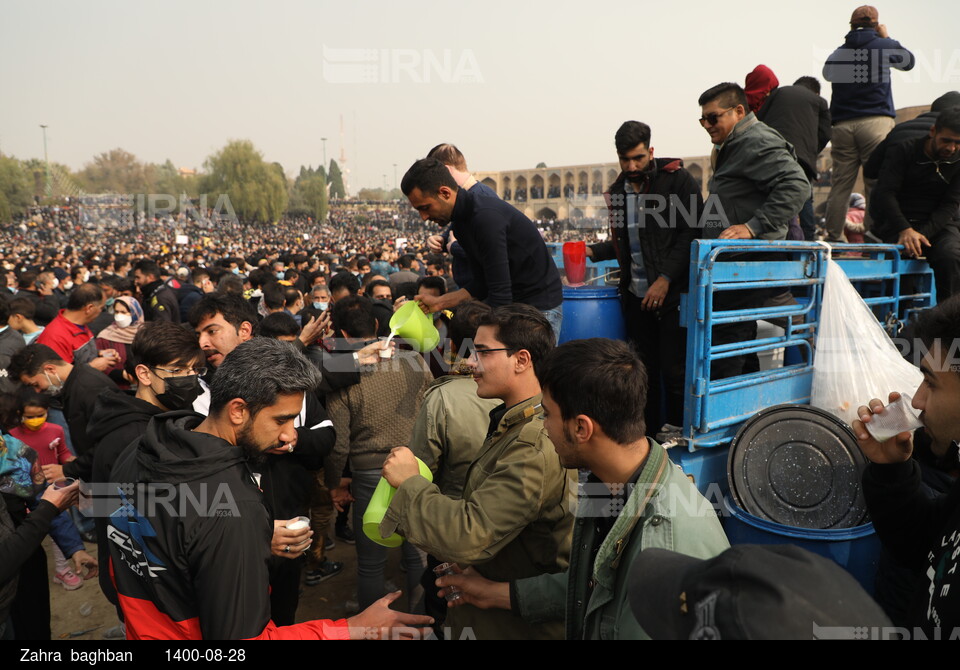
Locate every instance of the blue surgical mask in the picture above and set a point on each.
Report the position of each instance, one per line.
(110, 302)
(235, 271)
(280, 275)
(321, 305)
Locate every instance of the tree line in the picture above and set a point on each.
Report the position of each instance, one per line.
(259, 191)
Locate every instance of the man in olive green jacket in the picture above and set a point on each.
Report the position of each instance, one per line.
(635, 498)
(515, 518)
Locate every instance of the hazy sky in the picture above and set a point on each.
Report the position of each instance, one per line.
(511, 83)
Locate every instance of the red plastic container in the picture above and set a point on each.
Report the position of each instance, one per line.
(575, 262)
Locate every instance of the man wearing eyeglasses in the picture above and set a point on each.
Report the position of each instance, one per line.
(758, 186)
(165, 358)
(515, 516)
(916, 201)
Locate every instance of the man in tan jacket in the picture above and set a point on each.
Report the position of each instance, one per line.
(515, 518)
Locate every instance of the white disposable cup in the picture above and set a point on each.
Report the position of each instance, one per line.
(898, 417)
(301, 523)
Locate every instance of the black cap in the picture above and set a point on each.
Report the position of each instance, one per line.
(749, 592)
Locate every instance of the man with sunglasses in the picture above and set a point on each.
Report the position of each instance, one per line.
(916, 201)
(757, 187)
(515, 516)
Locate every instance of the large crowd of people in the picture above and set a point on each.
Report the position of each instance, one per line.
(233, 397)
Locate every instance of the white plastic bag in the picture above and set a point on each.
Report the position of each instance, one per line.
(855, 359)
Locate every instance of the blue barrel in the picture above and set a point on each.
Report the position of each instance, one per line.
(857, 550)
(591, 311)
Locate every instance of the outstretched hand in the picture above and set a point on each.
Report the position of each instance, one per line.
(379, 622)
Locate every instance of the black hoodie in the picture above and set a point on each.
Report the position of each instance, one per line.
(189, 543)
(118, 419)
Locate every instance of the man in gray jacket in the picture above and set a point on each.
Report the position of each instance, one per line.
(760, 186)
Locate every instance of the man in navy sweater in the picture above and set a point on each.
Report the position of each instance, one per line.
(861, 106)
(509, 261)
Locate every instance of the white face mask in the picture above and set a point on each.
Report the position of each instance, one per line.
(85, 278)
(123, 320)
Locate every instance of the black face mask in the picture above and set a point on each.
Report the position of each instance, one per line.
(180, 392)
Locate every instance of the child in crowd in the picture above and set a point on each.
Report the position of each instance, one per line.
(48, 440)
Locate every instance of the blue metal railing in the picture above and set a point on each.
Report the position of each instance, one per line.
(714, 410)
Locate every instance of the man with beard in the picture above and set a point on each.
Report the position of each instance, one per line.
(223, 323)
(189, 541)
(917, 199)
(654, 260)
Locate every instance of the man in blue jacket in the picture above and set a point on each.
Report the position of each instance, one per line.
(861, 105)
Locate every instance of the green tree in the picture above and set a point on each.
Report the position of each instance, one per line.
(16, 188)
(541, 164)
(335, 179)
(309, 197)
(255, 188)
(115, 171)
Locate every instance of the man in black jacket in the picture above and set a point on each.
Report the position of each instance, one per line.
(159, 301)
(916, 201)
(921, 532)
(913, 129)
(509, 262)
(78, 386)
(802, 116)
(655, 207)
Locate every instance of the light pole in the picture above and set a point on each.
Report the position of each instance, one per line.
(46, 162)
(324, 140)
(394, 176)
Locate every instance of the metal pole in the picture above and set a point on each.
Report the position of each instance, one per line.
(46, 162)
(324, 140)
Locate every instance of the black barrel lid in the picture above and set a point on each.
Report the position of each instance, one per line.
(798, 466)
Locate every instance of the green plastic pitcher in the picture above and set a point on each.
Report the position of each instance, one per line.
(377, 508)
(410, 323)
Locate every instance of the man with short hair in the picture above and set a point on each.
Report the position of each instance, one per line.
(68, 334)
(409, 272)
(629, 502)
(343, 285)
(919, 530)
(861, 106)
(11, 341)
(514, 519)
(167, 363)
(803, 118)
(29, 286)
(159, 301)
(509, 261)
(655, 209)
(22, 311)
(759, 187)
(77, 386)
(221, 592)
(371, 418)
(916, 202)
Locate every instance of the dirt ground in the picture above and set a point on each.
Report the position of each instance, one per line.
(324, 601)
